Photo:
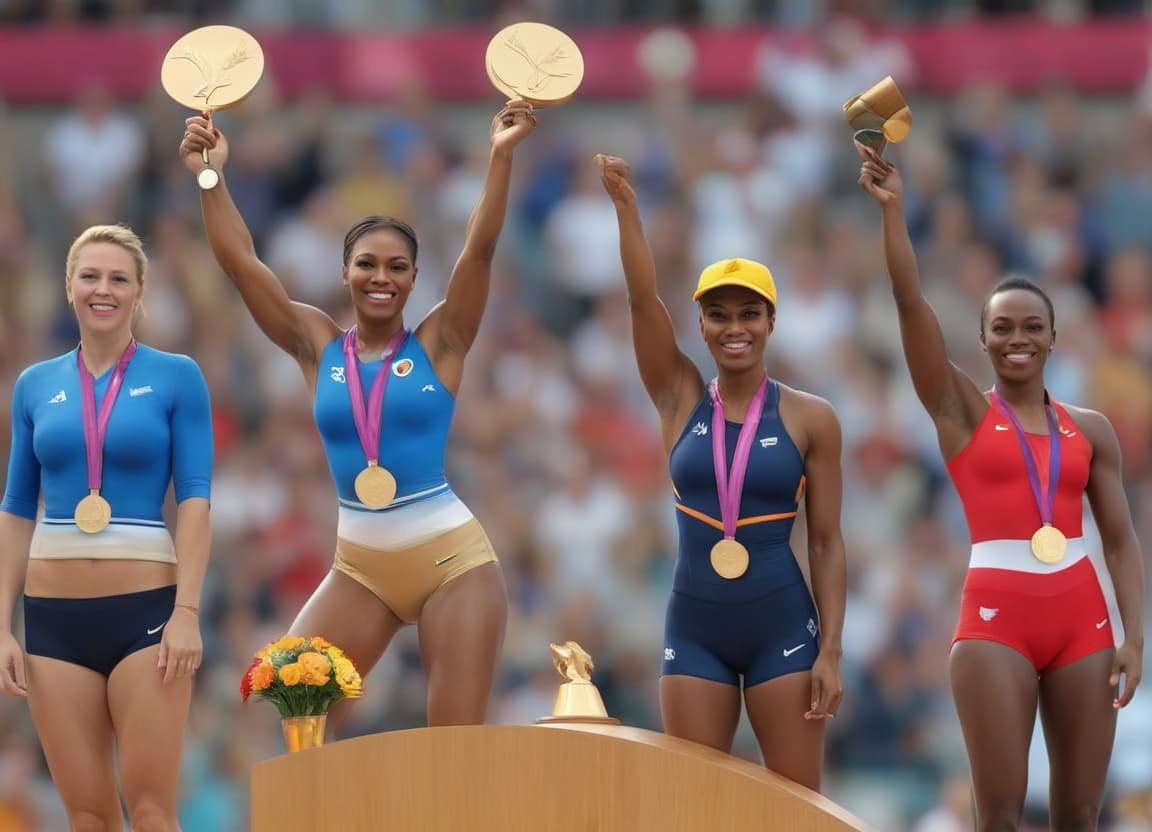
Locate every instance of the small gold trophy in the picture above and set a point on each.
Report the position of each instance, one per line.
(577, 700)
(879, 115)
(534, 62)
(212, 68)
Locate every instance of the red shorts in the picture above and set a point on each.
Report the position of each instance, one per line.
(1052, 619)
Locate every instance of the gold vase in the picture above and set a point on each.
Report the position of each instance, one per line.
(302, 732)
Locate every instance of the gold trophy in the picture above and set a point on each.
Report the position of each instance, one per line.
(879, 115)
(534, 62)
(577, 700)
(212, 68)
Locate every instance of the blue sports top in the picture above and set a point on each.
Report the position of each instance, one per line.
(773, 486)
(414, 432)
(160, 430)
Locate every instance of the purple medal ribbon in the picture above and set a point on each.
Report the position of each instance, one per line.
(94, 429)
(1046, 502)
(368, 418)
(730, 487)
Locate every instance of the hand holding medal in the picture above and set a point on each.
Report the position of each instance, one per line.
(212, 68)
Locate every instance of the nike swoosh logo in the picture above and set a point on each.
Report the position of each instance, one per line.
(155, 630)
(1100, 626)
(1002, 427)
(446, 558)
(788, 653)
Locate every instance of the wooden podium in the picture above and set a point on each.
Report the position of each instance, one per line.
(530, 778)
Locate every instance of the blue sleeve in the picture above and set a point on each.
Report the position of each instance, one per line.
(22, 491)
(191, 433)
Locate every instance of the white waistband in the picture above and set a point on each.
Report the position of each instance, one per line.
(424, 495)
(1017, 556)
(401, 526)
(120, 541)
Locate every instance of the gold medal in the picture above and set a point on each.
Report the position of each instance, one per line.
(93, 514)
(375, 486)
(212, 68)
(534, 62)
(1049, 544)
(729, 559)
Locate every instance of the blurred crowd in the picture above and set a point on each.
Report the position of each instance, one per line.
(555, 446)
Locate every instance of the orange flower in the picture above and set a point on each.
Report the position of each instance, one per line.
(287, 643)
(319, 643)
(262, 675)
(316, 668)
(290, 674)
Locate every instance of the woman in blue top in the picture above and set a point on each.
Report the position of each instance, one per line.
(408, 550)
(742, 452)
(112, 636)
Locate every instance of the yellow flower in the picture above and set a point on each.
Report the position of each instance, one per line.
(316, 668)
(319, 643)
(262, 675)
(287, 643)
(351, 685)
(290, 674)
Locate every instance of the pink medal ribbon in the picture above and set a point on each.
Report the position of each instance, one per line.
(729, 557)
(375, 486)
(93, 513)
(1048, 542)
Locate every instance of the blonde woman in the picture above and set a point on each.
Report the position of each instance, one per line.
(112, 635)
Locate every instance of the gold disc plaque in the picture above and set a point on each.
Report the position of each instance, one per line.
(212, 68)
(729, 558)
(375, 486)
(535, 62)
(93, 514)
(1049, 544)
(879, 113)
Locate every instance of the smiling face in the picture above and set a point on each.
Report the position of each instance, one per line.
(735, 323)
(1017, 334)
(105, 287)
(380, 274)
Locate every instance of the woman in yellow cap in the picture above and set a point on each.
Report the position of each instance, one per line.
(743, 450)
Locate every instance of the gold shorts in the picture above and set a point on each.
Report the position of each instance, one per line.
(405, 579)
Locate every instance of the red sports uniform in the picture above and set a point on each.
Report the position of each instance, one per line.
(1053, 614)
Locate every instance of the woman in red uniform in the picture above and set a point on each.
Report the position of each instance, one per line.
(1040, 623)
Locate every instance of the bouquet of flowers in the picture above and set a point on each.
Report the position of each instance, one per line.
(301, 676)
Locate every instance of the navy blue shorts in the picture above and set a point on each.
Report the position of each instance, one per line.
(758, 640)
(96, 633)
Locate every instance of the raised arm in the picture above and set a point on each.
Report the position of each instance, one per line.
(946, 392)
(451, 327)
(1121, 548)
(673, 382)
(298, 329)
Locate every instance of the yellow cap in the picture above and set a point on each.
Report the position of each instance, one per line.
(738, 272)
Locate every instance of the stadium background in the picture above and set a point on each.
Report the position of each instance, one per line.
(1031, 151)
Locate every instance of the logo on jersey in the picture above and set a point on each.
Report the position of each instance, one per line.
(987, 613)
(768, 441)
(140, 391)
(1068, 433)
(669, 654)
(789, 652)
(59, 397)
(1003, 427)
(402, 367)
(700, 429)
(428, 388)
(812, 627)
(338, 375)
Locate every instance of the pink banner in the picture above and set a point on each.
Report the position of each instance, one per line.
(48, 65)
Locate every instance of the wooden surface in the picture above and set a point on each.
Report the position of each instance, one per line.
(513, 778)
